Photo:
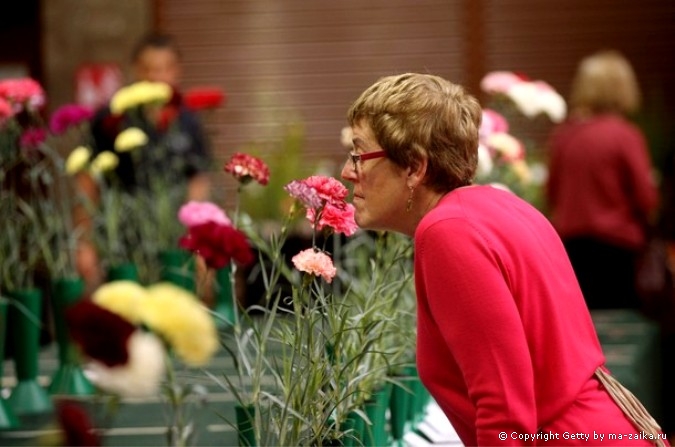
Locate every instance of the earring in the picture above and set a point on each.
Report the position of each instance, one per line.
(408, 205)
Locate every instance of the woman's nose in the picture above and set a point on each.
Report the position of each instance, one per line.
(348, 172)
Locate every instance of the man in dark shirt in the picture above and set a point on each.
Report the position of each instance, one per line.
(176, 153)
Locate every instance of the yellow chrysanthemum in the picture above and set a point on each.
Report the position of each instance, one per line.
(77, 160)
(140, 93)
(104, 162)
(125, 298)
(129, 139)
(183, 321)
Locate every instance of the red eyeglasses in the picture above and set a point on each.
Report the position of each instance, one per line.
(356, 158)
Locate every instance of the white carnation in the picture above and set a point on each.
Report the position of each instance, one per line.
(140, 376)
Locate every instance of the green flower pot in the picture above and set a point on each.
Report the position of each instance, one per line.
(375, 433)
(245, 417)
(225, 305)
(68, 378)
(398, 408)
(126, 271)
(8, 419)
(352, 429)
(27, 397)
(177, 266)
(419, 398)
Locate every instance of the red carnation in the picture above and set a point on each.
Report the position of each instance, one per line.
(102, 335)
(167, 115)
(111, 124)
(200, 98)
(218, 244)
(245, 168)
(77, 428)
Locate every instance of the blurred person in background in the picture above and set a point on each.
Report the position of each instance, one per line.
(601, 192)
(505, 342)
(176, 129)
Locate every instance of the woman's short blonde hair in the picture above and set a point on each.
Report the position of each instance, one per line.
(605, 82)
(412, 115)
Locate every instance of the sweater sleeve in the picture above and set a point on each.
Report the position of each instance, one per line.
(466, 285)
(644, 192)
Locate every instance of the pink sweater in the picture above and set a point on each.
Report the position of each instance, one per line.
(505, 341)
(600, 182)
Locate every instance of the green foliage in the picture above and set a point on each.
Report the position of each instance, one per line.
(330, 347)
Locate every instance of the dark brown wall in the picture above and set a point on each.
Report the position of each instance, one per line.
(288, 60)
(283, 61)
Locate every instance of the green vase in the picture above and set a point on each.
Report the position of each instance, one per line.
(126, 271)
(352, 429)
(27, 397)
(177, 266)
(224, 307)
(419, 398)
(375, 433)
(245, 416)
(398, 407)
(69, 378)
(8, 419)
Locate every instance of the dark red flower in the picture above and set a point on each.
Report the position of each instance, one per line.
(167, 115)
(200, 98)
(218, 244)
(111, 125)
(77, 428)
(246, 167)
(102, 335)
(522, 76)
(33, 137)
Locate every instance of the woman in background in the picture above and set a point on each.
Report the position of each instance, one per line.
(601, 193)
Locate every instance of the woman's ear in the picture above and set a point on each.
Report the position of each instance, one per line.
(417, 171)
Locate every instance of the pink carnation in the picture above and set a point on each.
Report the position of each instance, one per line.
(316, 263)
(196, 213)
(499, 81)
(330, 189)
(305, 193)
(23, 92)
(492, 122)
(245, 168)
(67, 116)
(340, 220)
(5, 110)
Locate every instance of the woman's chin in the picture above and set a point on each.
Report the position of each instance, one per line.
(361, 220)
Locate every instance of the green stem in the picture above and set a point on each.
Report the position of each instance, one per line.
(177, 418)
(235, 303)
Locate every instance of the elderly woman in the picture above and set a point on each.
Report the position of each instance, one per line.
(505, 344)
